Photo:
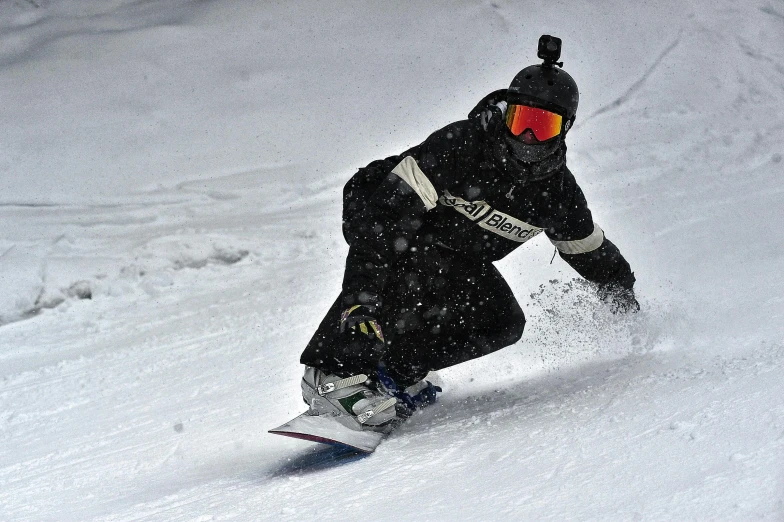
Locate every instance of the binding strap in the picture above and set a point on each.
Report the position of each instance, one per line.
(342, 383)
(365, 416)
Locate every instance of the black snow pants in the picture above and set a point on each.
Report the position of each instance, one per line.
(439, 309)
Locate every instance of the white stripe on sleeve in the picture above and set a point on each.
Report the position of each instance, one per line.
(582, 246)
(409, 171)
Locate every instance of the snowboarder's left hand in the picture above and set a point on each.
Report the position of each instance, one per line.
(362, 343)
(621, 300)
(359, 320)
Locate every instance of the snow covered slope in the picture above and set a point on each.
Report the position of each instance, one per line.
(170, 182)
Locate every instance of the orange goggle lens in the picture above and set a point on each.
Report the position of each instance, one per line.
(544, 124)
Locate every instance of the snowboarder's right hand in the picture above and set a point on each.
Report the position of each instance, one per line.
(359, 320)
(492, 118)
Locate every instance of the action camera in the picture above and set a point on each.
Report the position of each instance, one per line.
(549, 49)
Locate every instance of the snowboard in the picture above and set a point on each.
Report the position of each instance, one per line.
(334, 430)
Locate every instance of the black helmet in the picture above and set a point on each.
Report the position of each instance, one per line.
(545, 85)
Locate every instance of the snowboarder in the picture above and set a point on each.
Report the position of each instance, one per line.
(420, 291)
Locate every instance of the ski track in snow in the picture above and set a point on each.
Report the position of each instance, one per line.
(171, 238)
(636, 85)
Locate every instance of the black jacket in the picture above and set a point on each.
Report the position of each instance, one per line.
(452, 191)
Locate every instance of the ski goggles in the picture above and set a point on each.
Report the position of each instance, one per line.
(544, 124)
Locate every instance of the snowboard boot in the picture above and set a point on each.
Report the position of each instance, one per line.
(410, 398)
(354, 397)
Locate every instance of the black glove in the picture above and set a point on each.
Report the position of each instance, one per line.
(620, 300)
(360, 320)
(491, 119)
(362, 341)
